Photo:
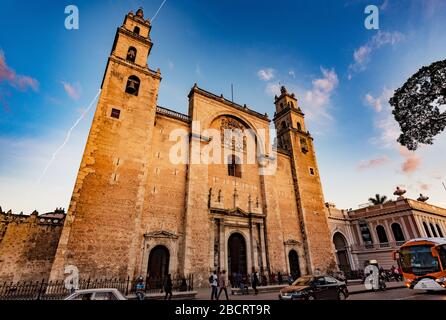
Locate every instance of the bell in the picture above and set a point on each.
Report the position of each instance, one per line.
(131, 86)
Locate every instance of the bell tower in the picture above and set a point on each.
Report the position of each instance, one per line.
(101, 235)
(293, 137)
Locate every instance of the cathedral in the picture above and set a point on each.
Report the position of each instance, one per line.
(136, 212)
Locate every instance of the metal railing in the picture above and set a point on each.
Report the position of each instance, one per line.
(56, 290)
(377, 246)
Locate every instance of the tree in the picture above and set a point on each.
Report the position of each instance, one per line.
(416, 106)
(378, 199)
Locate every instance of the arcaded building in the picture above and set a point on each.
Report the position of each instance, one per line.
(143, 206)
(376, 231)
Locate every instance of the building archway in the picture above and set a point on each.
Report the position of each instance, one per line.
(340, 244)
(293, 259)
(159, 259)
(237, 254)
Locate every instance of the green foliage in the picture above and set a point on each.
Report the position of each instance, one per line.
(416, 106)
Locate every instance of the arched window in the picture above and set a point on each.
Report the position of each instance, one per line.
(426, 228)
(397, 232)
(299, 126)
(133, 85)
(382, 235)
(283, 125)
(290, 104)
(365, 233)
(136, 30)
(433, 230)
(131, 54)
(440, 233)
(234, 166)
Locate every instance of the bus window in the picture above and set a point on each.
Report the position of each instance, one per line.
(418, 260)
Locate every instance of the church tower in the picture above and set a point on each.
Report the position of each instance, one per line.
(293, 137)
(100, 236)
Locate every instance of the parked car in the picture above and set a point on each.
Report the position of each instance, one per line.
(321, 287)
(97, 294)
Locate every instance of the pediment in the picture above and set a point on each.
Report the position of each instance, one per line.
(161, 234)
(291, 242)
(238, 212)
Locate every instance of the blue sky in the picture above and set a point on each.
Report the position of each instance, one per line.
(342, 74)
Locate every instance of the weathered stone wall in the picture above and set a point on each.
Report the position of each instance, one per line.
(27, 246)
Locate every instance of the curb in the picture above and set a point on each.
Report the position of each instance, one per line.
(367, 291)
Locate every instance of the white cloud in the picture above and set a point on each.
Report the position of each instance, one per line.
(292, 74)
(171, 65)
(377, 103)
(373, 163)
(317, 100)
(198, 71)
(266, 74)
(272, 89)
(72, 90)
(362, 55)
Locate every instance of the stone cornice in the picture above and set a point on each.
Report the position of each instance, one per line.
(231, 104)
(144, 70)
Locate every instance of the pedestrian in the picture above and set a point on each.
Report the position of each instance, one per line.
(279, 277)
(255, 282)
(222, 284)
(213, 281)
(140, 288)
(290, 279)
(168, 287)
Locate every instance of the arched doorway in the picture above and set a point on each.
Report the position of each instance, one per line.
(293, 258)
(237, 254)
(340, 244)
(158, 263)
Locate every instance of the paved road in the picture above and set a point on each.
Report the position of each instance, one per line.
(394, 294)
(399, 294)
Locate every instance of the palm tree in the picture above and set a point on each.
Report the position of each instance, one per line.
(378, 199)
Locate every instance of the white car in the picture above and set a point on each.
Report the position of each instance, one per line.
(97, 294)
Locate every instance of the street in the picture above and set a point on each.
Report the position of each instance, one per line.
(394, 294)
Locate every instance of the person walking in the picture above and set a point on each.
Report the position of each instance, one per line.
(213, 281)
(140, 288)
(279, 278)
(255, 282)
(168, 287)
(222, 284)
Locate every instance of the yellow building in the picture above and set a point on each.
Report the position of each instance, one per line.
(135, 211)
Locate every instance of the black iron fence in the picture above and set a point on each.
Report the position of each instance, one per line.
(56, 290)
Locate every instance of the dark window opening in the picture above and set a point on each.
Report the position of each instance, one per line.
(234, 167)
(133, 85)
(433, 230)
(115, 113)
(397, 232)
(131, 54)
(428, 233)
(365, 233)
(136, 30)
(440, 233)
(312, 171)
(299, 126)
(382, 235)
(304, 145)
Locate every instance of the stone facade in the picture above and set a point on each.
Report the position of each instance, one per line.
(374, 232)
(28, 244)
(134, 211)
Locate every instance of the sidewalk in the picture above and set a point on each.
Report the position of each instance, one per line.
(355, 287)
(360, 288)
